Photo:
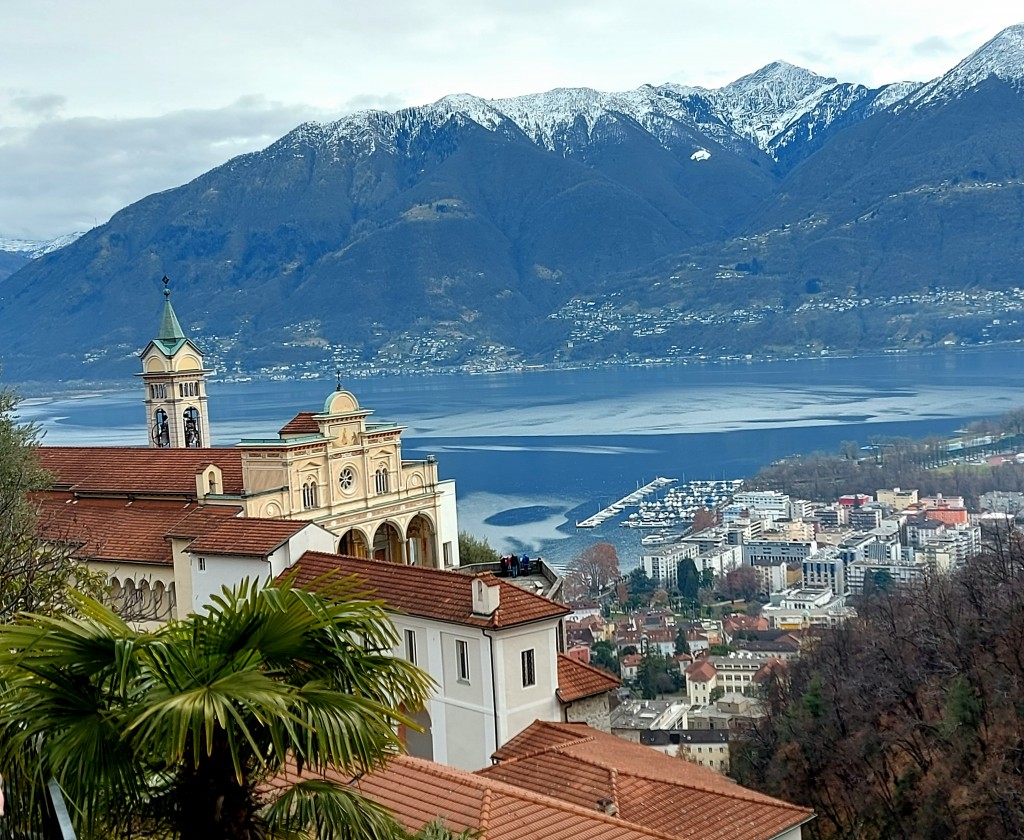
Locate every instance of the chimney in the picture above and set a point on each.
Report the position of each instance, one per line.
(486, 594)
(607, 806)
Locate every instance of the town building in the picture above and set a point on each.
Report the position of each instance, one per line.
(491, 647)
(896, 498)
(767, 504)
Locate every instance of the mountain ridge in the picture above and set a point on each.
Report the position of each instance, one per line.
(573, 226)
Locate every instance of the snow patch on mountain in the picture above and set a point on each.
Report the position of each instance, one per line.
(701, 154)
(892, 94)
(34, 248)
(761, 105)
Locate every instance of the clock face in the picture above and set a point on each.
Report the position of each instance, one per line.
(347, 479)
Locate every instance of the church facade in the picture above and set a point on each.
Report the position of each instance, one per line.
(337, 470)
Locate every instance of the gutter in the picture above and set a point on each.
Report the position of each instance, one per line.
(494, 693)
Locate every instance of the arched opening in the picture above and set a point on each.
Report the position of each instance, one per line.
(353, 544)
(193, 434)
(380, 480)
(144, 601)
(161, 432)
(310, 496)
(127, 605)
(387, 544)
(211, 483)
(420, 744)
(115, 595)
(421, 542)
(161, 602)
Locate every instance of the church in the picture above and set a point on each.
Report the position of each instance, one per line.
(154, 518)
(173, 522)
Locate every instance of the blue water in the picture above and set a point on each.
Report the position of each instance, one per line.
(532, 453)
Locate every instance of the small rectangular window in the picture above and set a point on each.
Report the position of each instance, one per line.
(529, 669)
(462, 656)
(448, 553)
(410, 646)
(201, 564)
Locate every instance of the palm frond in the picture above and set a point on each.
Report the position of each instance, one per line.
(329, 811)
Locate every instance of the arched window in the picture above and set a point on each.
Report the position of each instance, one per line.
(161, 430)
(193, 434)
(309, 494)
(211, 484)
(380, 480)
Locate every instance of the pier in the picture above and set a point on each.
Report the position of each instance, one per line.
(633, 498)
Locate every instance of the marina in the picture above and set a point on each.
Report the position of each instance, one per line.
(635, 498)
(679, 505)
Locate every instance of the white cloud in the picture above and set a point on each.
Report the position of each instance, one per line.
(104, 102)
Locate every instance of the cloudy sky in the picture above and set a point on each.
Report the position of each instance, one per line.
(105, 102)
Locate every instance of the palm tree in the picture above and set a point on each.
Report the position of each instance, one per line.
(185, 731)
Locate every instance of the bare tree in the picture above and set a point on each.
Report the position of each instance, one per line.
(593, 569)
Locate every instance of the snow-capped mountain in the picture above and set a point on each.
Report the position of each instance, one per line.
(574, 225)
(770, 109)
(1002, 57)
(33, 249)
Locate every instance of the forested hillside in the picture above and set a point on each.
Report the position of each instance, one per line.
(907, 722)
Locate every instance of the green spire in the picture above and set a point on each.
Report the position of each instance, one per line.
(170, 329)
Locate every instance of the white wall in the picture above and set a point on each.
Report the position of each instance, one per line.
(517, 705)
(461, 713)
(447, 522)
(223, 571)
(311, 538)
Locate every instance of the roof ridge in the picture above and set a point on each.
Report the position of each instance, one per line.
(753, 795)
(485, 812)
(487, 785)
(599, 671)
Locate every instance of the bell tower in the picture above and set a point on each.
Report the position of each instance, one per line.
(175, 383)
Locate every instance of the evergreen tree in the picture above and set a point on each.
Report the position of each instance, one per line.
(688, 580)
(474, 550)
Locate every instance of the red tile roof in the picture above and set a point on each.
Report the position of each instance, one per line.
(418, 791)
(247, 537)
(577, 680)
(701, 671)
(138, 471)
(140, 531)
(429, 593)
(301, 424)
(666, 795)
(115, 530)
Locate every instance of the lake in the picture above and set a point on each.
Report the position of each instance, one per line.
(534, 452)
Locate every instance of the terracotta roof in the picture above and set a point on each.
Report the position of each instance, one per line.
(247, 537)
(418, 791)
(139, 471)
(301, 424)
(772, 666)
(430, 593)
(701, 671)
(667, 796)
(577, 680)
(115, 530)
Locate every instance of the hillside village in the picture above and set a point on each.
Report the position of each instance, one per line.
(804, 565)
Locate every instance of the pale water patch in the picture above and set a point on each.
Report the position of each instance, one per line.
(478, 512)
